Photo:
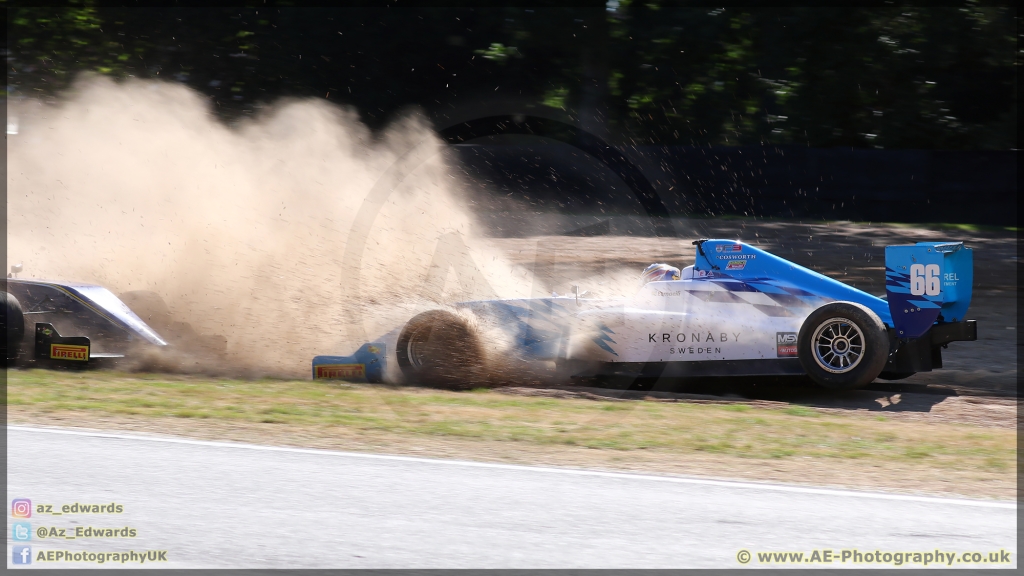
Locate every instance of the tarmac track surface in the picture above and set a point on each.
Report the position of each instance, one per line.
(213, 504)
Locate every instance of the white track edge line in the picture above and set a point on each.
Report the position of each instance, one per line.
(551, 469)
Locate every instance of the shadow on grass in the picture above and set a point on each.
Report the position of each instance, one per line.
(798, 390)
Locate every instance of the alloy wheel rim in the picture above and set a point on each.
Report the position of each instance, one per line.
(417, 348)
(837, 345)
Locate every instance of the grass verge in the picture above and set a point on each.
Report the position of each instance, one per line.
(791, 444)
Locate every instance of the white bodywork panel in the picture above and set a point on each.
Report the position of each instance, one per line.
(684, 321)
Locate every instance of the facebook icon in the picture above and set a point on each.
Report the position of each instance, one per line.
(21, 555)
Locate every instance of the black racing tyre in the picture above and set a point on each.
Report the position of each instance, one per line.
(895, 375)
(843, 345)
(13, 327)
(439, 349)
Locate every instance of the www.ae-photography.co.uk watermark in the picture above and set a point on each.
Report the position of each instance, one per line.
(854, 556)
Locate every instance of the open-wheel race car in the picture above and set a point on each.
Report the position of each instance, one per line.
(55, 324)
(737, 311)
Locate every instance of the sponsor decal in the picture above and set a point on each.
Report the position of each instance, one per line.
(69, 352)
(676, 293)
(341, 371)
(736, 265)
(695, 350)
(728, 248)
(705, 274)
(785, 344)
(373, 349)
(737, 257)
(47, 332)
(694, 337)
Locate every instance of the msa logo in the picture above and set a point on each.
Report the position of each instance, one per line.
(785, 338)
(785, 344)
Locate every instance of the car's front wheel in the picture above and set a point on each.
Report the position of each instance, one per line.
(843, 345)
(439, 349)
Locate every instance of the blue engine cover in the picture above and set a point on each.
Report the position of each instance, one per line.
(734, 260)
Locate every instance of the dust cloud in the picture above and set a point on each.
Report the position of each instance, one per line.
(242, 230)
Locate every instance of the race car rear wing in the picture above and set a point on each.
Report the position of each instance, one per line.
(927, 282)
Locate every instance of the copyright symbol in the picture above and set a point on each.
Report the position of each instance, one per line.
(743, 556)
(41, 532)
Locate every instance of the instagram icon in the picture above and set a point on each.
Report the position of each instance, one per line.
(21, 508)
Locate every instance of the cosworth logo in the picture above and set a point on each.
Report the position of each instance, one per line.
(341, 371)
(69, 352)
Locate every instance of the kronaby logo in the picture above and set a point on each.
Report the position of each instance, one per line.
(21, 508)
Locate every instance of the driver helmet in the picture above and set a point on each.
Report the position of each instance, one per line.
(659, 272)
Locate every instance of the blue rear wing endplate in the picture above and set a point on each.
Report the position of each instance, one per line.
(928, 282)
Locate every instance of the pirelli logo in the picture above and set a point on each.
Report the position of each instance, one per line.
(69, 352)
(341, 371)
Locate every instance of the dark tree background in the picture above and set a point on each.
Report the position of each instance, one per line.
(895, 77)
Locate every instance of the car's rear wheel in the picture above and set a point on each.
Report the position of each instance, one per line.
(439, 349)
(843, 345)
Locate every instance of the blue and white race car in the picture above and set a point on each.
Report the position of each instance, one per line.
(738, 311)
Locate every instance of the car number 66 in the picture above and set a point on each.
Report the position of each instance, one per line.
(924, 280)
